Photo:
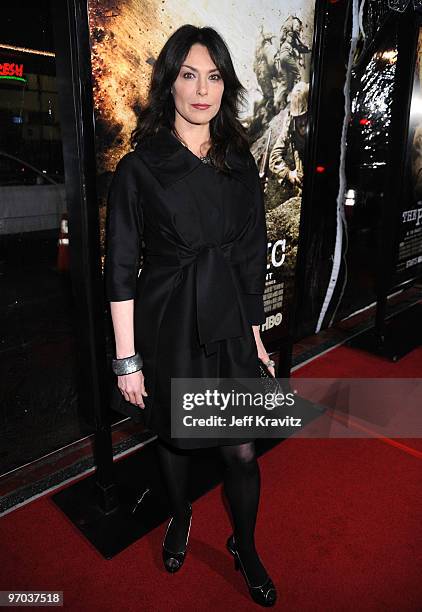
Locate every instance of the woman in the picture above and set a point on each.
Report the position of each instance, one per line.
(191, 191)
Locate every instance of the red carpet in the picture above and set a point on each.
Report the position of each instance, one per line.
(339, 528)
(344, 362)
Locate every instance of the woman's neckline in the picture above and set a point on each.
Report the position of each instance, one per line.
(202, 158)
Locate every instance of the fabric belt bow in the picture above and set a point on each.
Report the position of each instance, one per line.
(217, 298)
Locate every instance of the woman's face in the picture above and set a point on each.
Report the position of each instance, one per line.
(199, 87)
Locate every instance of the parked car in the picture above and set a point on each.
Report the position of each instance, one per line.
(30, 199)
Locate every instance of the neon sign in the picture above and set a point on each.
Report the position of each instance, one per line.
(12, 72)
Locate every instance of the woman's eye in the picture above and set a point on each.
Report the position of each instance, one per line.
(213, 77)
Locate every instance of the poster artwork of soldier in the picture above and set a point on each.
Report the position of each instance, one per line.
(289, 59)
(277, 69)
(286, 157)
(265, 71)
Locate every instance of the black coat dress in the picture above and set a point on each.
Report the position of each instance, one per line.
(204, 242)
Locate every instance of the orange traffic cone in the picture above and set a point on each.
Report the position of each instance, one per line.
(63, 244)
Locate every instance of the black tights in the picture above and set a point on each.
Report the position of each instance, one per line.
(241, 485)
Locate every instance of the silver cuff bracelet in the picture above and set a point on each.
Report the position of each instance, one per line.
(127, 365)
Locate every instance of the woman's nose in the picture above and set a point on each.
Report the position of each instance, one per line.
(202, 87)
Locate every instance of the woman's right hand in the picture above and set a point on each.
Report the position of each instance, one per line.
(132, 387)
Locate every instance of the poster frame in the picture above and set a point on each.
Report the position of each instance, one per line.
(416, 23)
(400, 115)
(74, 83)
(393, 336)
(320, 22)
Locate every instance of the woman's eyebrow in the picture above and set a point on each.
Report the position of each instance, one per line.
(196, 70)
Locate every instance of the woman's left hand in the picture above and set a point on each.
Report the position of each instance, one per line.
(262, 353)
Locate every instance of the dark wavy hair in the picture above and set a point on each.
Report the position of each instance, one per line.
(159, 111)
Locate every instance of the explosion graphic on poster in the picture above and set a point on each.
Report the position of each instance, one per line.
(271, 52)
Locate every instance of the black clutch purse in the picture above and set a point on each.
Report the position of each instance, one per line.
(271, 384)
(120, 405)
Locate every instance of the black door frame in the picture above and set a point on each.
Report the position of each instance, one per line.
(74, 81)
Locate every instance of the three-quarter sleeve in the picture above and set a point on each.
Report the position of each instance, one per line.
(124, 228)
(254, 247)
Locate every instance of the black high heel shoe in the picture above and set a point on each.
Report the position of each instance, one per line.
(173, 561)
(265, 594)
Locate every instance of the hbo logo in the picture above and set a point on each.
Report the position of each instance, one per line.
(272, 321)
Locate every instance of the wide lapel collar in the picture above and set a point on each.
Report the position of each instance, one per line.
(166, 157)
(169, 160)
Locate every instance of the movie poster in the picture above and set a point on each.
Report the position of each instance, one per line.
(270, 44)
(409, 253)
